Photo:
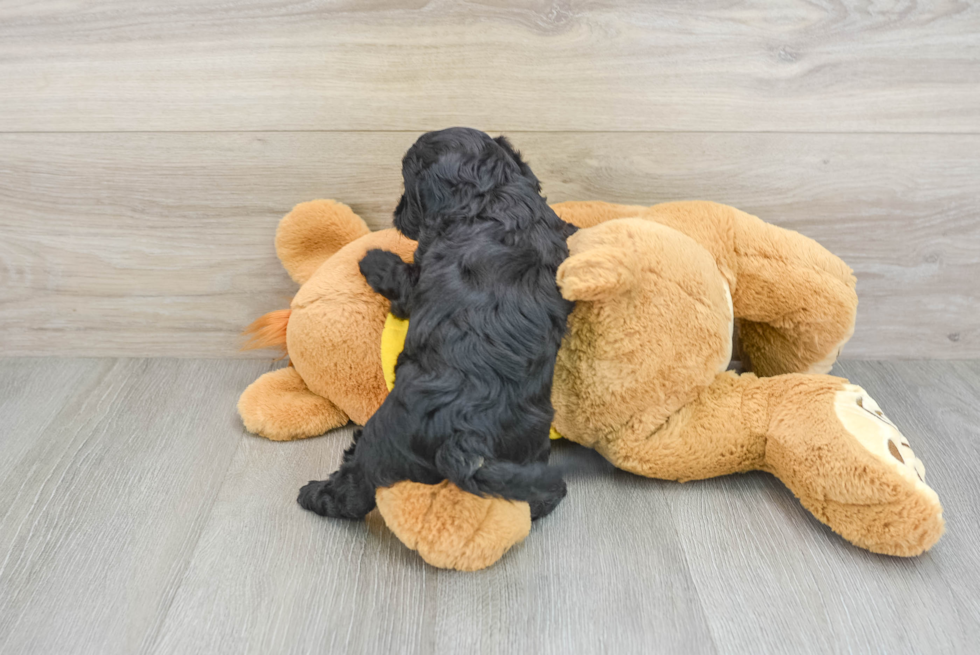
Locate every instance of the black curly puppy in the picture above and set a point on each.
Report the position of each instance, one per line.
(472, 402)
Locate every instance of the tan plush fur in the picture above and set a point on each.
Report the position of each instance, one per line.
(648, 275)
(626, 338)
(334, 332)
(280, 407)
(795, 302)
(312, 233)
(452, 529)
(639, 376)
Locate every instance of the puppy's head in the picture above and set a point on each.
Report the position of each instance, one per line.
(451, 171)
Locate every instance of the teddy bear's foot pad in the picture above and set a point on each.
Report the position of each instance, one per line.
(452, 529)
(278, 406)
(912, 522)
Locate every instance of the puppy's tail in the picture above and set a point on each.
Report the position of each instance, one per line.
(268, 331)
(493, 477)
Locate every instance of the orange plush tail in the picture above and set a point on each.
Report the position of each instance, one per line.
(268, 331)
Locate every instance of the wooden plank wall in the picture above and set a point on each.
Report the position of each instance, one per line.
(148, 149)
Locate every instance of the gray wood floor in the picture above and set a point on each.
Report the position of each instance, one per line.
(136, 516)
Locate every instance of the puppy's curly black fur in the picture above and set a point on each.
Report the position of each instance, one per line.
(472, 402)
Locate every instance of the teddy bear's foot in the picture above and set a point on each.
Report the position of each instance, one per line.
(911, 520)
(452, 529)
(278, 406)
(831, 444)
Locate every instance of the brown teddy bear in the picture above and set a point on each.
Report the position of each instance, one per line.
(641, 375)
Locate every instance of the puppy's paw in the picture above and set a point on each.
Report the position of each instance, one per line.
(319, 496)
(327, 498)
(312, 496)
(543, 506)
(380, 269)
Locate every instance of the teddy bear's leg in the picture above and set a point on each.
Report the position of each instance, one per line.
(452, 529)
(278, 406)
(827, 440)
(831, 444)
(794, 301)
(706, 438)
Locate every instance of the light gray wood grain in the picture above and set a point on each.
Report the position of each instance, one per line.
(162, 244)
(267, 576)
(270, 578)
(32, 395)
(139, 518)
(773, 579)
(938, 408)
(104, 503)
(501, 64)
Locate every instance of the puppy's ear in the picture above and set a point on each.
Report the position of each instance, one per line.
(408, 213)
(595, 274)
(526, 172)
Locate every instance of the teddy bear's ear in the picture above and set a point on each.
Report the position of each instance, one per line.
(594, 274)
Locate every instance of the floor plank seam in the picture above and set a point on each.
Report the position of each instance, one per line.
(150, 643)
(43, 428)
(44, 484)
(40, 491)
(150, 640)
(690, 573)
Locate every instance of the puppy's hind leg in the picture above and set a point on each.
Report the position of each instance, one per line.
(466, 465)
(548, 500)
(553, 494)
(345, 494)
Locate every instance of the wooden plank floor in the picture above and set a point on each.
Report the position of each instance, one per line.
(138, 517)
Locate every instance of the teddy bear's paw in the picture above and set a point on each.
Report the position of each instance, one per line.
(278, 406)
(863, 418)
(911, 521)
(452, 529)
